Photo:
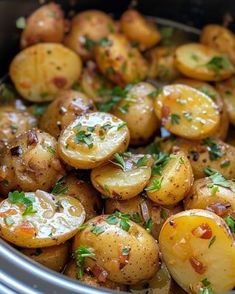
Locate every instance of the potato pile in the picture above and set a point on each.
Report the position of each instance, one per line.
(117, 157)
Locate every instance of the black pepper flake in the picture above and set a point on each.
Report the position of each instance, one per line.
(16, 151)
(171, 222)
(195, 155)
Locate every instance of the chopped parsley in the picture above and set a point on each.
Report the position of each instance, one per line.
(225, 163)
(126, 250)
(80, 254)
(155, 185)
(119, 161)
(149, 225)
(106, 127)
(217, 181)
(7, 93)
(83, 227)
(125, 108)
(60, 187)
(155, 93)
(160, 161)
(205, 90)
(21, 23)
(105, 42)
(142, 161)
(97, 230)
(83, 137)
(135, 217)
(167, 34)
(29, 210)
(214, 149)
(212, 241)
(218, 63)
(39, 110)
(88, 43)
(206, 287)
(188, 115)
(119, 218)
(17, 197)
(230, 221)
(163, 214)
(121, 125)
(51, 150)
(175, 119)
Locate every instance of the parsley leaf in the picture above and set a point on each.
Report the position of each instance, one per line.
(125, 108)
(59, 187)
(17, 197)
(142, 161)
(135, 217)
(230, 221)
(121, 125)
(206, 289)
(212, 241)
(218, 63)
(214, 149)
(119, 161)
(105, 42)
(188, 115)
(83, 137)
(51, 150)
(88, 43)
(126, 250)
(167, 34)
(80, 254)
(97, 230)
(155, 185)
(219, 180)
(149, 225)
(160, 161)
(119, 218)
(175, 119)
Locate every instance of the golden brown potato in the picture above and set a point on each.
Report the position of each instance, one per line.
(173, 183)
(30, 162)
(63, 110)
(125, 181)
(41, 71)
(210, 152)
(162, 64)
(72, 270)
(207, 195)
(139, 30)
(54, 257)
(46, 24)
(93, 139)
(187, 112)
(14, 122)
(87, 28)
(199, 251)
(219, 38)
(85, 193)
(38, 219)
(117, 244)
(120, 62)
(227, 92)
(137, 110)
(201, 62)
(222, 131)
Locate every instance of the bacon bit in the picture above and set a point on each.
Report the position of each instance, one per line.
(197, 265)
(123, 257)
(25, 84)
(25, 229)
(59, 82)
(219, 208)
(8, 213)
(32, 137)
(99, 273)
(165, 113)
(203, 231)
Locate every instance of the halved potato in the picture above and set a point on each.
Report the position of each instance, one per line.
(124, 182)
(92, 139)
(187, 112)
(174, 182)
(199, 251)
(203, 63)
(41, 71)
(38, 219)
(54, 257)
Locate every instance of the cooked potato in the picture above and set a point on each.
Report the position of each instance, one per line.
(87, 28)
(201, 62)
(210, 152)
(122, 182)
(139, 30)
(120, 62)
(219, 38)
(72, 270)
(162, 64)
(187, 112)
(38, 219)
(41, 71)
(174, 182)
(30, 162)
(85, 193)
(46, 24)
(137, 110)
(95, 85)
(118, 244)
(54, 257)
(227, 92)
(92, 139)
(222, 131)
(14, 122)
(199, 251)
(67, 105)
(212, 197)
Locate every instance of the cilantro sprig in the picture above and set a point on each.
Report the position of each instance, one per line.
(20, 198)
(122, 219)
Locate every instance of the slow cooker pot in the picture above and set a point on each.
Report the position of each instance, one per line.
(18, 274)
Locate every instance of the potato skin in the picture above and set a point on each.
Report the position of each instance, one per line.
(143, 258)
(219, 38)
(67, 105)
(140, 117)
(41, 71)
(30, 162)
(45, 24)
(13, 123)
(119, 62)
(54, 257)
(91, 24)
(138, 29)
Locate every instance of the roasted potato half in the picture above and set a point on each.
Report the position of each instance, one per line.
(123, 181)
(118, 61)
(139, 30)
(41, 71)
(137, 110)
(30, 162)
(219, 38)
(117, 245)
(92, 139)
(199, 251)
(87, 28)
(67, 105)
(201, 62)
(187, 112)
(38, 219)
(54, 257)
(46, 24)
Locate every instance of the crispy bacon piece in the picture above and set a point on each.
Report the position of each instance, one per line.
(203, 231)
(99, 273)
(197, 265)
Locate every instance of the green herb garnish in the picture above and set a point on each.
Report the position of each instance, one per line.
(188, 115)
(206, 289)
(121, 125)
(97, 230)
(175, 119)
(80, 254)
(119, 218)
(230, 221)
(135, 217)
(51, 150)
(214, 149)
(83, 137)
(17, 197)
(160, 161)
(119, 161)
(149, 225)
(60, 187)
(218, 63)
(88, 43)
(212, 241)
(21, 23)
(142, 161)
(155, 185)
